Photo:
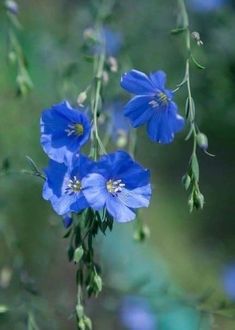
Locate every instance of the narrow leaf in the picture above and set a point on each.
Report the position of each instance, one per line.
(195, 167)
(198, 65)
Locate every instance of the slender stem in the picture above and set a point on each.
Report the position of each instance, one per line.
(98, 72)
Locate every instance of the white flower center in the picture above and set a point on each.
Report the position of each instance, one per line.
(115, 186)
(73, 186)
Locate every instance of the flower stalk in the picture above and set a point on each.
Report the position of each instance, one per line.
(191, 178)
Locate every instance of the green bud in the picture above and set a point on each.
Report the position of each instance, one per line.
(79, 311)
(122, 138)
(81, 98)
(81, 325)
(12, 57)
(202, 141)
(3, 309)
(141, 234)
(186, 180)
(78, 253)
(190, 203)
(87, 322)
(198, 200)
(98, 283)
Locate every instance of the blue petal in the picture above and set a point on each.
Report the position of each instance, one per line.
(63, 204)
(136, 198)
(79, 204)
(137, 82)
(138, 110)
(164, 124)
(158, 79)
(81, 166)
(120, 165)
(119, 211)
(55, 174)
(176, 121)
(94, 190)
(67, 220)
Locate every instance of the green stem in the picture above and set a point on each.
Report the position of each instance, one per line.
(98, 73)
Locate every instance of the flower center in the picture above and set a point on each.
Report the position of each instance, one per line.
(160, 99)
(73, 186)
(74, 129)
(115, 186)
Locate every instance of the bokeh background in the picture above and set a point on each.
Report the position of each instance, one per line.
(183, 276)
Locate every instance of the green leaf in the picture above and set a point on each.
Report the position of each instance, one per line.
(198, 65)
(78, 253)
(66, 235)
(178, 30)
(70, 252)
(195, 167)
(32, 323)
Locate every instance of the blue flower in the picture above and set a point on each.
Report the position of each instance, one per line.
(229, 281)
(119, 184)
(152, 105)
(206, 6)
(136, 314)
(113, 41)
(118, 126)
(63, 185)
(63, 131)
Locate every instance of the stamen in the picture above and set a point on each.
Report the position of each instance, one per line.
(160, 99)
(73, 186)
(115, 186)
(74, 129)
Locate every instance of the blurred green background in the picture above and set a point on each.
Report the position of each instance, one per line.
(186, 253)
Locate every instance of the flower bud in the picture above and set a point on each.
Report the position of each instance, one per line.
(186, 180)
(87, 322)
(202, 141)
(122, 138)
(12, 6)
(89, 33)
(105, 77)
(98, 283)
(141, 234)
(78, 253)
(198, 200)
(81, 98)
(196, 36)
(12, 57)
(113, 64)
(80, 311)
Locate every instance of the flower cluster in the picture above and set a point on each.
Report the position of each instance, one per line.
(75, 182)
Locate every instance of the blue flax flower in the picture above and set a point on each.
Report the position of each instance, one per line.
(118, 125)
(63, 187)
(229, 281)
(206, 5)
(152, 105)
(119, 184)
(63, 131)
(136, 314)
